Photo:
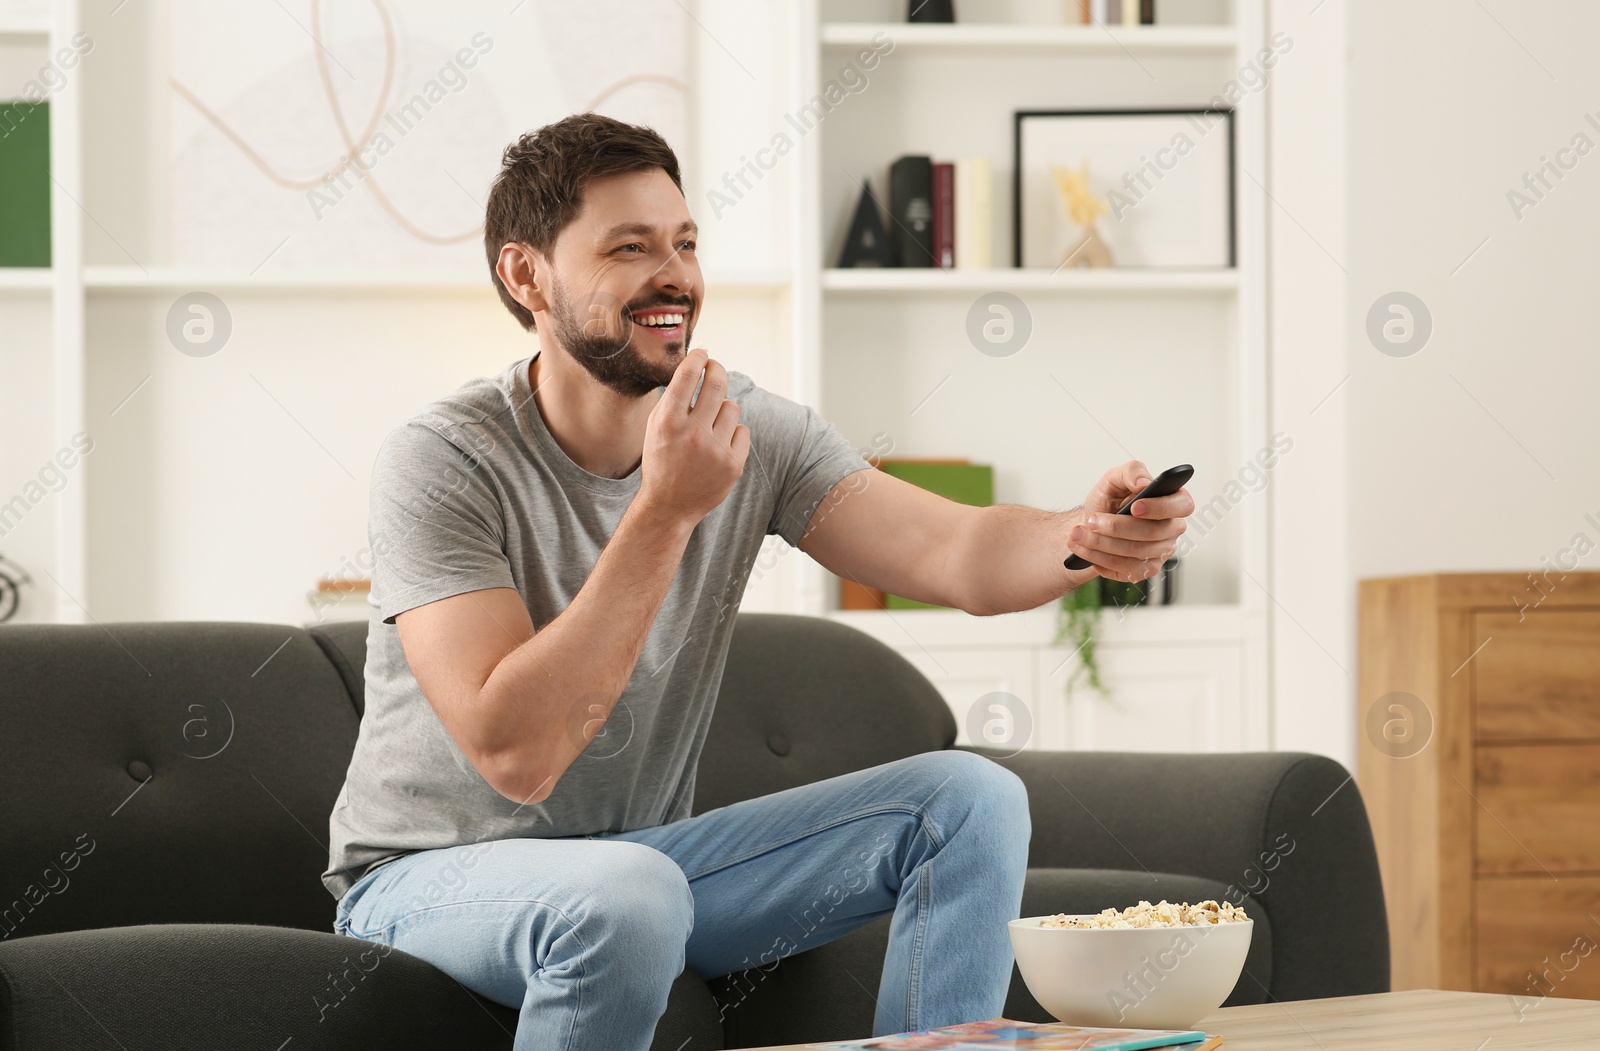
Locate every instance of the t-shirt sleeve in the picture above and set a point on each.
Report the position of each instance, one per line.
(435, 522)
(810, 457)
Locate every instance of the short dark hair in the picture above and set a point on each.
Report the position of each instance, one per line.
(539, 189)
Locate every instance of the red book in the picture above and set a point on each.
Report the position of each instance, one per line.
(944, 216)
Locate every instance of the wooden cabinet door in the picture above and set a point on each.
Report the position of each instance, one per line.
(1537, 675)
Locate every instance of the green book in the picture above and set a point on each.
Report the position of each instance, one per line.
(24, 184)
(964, 483)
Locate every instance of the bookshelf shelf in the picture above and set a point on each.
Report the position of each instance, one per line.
(166, 279)
(1068, 282)
(969, 37)
(26, 278)
(22, 28)
(1150, 626)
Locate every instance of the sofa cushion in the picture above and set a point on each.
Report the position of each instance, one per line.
(828, 993)
(167, 773)
(791, 686)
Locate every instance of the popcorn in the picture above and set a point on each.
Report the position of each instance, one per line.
(1144, 914)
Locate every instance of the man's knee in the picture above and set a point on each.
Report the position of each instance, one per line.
(643, 889)
(975, 781)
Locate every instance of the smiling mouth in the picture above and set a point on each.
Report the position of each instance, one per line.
(660, 319)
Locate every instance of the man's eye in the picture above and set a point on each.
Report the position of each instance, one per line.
(686, 246)
(635, 247)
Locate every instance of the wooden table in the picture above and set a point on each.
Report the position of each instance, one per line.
(1417, 1020)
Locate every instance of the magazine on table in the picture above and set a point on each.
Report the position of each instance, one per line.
(1002, 1034)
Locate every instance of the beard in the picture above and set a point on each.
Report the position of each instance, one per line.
(598, 333)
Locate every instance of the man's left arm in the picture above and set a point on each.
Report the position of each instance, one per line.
(886, 533)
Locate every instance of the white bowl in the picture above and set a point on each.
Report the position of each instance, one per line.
(1137, 977)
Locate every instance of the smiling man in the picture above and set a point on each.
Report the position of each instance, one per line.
(555, 550)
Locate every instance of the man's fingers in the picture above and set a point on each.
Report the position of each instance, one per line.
(1179, 505)
(710, 399)
(1119, 567)
(741, 444)
(1138, 529)
(1093, 545)
(1133, 476)
(681, 387)
(727, 419)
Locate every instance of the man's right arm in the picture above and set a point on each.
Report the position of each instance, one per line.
(522, 705)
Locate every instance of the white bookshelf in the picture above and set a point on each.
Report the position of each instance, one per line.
(1067, 282)
(1049, 38)
(169, 279)
(843, 340)
(867, 337)
(26, 279)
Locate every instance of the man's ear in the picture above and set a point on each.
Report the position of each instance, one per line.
(523, 271)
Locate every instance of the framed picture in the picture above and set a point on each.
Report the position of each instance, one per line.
(1123, 188)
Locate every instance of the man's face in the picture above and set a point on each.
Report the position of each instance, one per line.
(625, 285)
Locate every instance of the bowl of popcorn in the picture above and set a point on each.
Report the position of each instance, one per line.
(1161, 966)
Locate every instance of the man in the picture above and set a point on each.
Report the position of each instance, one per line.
(556, 551)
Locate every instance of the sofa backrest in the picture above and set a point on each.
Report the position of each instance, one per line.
(167, 773)
(802, 699)
(182, 772)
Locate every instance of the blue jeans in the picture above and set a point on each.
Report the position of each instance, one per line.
(585, 934)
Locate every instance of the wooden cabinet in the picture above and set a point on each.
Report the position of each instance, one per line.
(1480, 764)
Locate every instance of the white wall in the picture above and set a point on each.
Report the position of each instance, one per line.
(1313, 662)
(1478, 452)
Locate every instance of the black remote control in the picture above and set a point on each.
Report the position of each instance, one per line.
(1167, 483)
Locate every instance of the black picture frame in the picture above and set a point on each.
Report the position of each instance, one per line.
(1021, 116)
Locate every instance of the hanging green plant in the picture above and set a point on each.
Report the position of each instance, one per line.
(1078, 625)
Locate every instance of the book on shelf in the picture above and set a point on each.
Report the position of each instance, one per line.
(24, 183)
(958, 480)
(911, 210)
(1117, 12)
(944, 215)
(1001, 1034)
(974, 202)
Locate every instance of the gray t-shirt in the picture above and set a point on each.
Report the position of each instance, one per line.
(473, 492)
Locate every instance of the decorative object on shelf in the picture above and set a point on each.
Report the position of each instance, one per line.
(1159, 590)
(955, 479)
(931, 11)
(12, 578)
(1147, 12)
(1166, 176)
(1083, 208)
(24, 183)
(1124, 593)
(1078, 626)
(867, 244)
(974, 238)
(1165, 586)
(911, 210)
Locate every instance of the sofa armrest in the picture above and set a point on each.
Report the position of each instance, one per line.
(1286, 828)
(233, 985)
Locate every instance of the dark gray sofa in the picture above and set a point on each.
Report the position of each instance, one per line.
(166, 790)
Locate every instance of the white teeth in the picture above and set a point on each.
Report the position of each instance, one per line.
(659, 319)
